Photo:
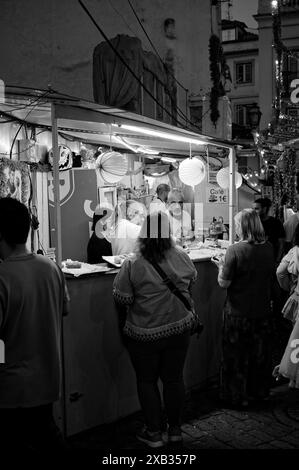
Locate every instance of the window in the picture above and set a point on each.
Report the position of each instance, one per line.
(196, 117)
(241, 114)
(228, 35)
(244, 72)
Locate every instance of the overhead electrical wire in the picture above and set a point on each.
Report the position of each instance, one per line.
(178, 109)
(24, 120)
(183, 115)
(128, 66)
(153, 46)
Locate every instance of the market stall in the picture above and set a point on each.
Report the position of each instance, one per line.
(99, 383)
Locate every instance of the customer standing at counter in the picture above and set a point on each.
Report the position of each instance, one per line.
(33, 298)
(157, 328)
(275, 234)
(129, 216)
(246, 274)
(158, 204)
(273, 228)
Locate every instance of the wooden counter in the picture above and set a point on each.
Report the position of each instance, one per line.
(99, 379)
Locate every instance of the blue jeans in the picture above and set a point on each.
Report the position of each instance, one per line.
(164, 359)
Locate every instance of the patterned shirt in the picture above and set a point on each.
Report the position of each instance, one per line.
(153, 310)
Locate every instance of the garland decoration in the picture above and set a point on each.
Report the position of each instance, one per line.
(217, 64)
(14, 180)
(284, 190)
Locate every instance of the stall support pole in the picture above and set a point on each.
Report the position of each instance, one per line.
(232, 194)
(57, 213)
(57, 232)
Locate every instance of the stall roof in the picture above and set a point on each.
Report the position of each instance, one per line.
(103, 125)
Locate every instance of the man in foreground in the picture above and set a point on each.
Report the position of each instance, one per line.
(33, 298)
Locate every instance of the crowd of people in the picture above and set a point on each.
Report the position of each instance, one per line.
(152, 292)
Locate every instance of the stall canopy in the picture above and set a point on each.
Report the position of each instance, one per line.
(93, 123)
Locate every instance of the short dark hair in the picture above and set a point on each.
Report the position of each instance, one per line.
(264, 202)
(162, 188)
(14, 221)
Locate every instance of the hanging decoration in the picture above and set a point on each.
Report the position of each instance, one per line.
(15, 180)
(284, 191)
(112, 166)
(65, 157)
(222, 178)
(192, 171)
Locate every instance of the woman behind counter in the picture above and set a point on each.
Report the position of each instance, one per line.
(158, 325)
(99, 244)
(246, 349)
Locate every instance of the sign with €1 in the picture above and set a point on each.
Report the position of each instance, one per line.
(217, 195)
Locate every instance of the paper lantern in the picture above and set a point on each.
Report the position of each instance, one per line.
(222, 178)
(112, 166)
(192, 171)
(65, 158)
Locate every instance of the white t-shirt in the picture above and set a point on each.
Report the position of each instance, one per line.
(181, 224)
(157, 206)
(33, 298)
(123, 238)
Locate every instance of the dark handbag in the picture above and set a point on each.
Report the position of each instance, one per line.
(197, 326)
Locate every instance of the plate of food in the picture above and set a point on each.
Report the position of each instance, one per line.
(117, 260)
(77, 268)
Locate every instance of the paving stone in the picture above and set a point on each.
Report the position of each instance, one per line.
(292, 440)
(275, 431)
(226, 436)
(262, 436)
(208, 442)
(208, 427)
(282, 445)
(242, 415)
(193, 431)
(266, 445)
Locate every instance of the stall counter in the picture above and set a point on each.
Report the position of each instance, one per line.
(100, 384)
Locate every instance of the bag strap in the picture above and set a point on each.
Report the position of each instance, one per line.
(171, 286)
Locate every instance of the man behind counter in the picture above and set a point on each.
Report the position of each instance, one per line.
(158, 204)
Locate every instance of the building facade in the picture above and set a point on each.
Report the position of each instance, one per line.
(242, 56)
(52, 43)
(289, 14)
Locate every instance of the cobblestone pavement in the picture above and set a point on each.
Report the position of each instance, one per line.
(207, 425)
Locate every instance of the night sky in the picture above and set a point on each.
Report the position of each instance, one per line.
(242, 10)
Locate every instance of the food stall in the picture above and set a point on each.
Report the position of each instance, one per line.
(98, 379)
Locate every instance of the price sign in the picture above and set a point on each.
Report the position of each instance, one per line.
(216, 195)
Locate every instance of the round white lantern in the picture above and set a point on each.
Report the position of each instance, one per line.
(192, 171)
(222, 178)
(112, 166)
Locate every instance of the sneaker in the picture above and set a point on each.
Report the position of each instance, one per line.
(174, 434)
(152, 439)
